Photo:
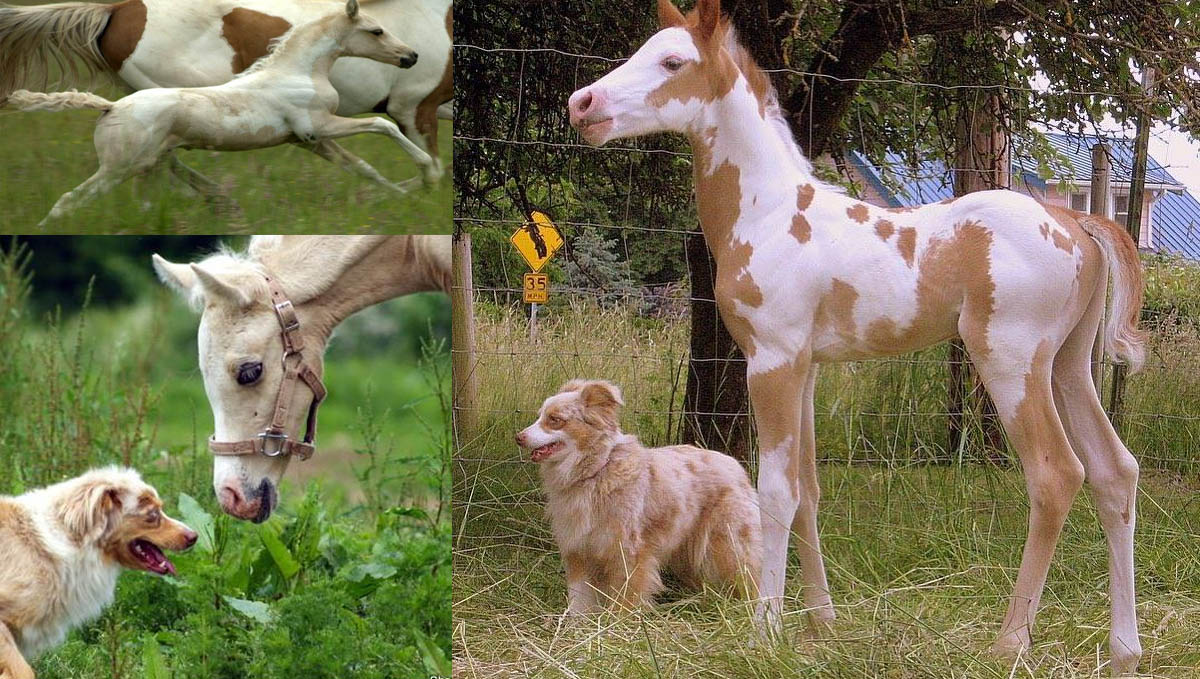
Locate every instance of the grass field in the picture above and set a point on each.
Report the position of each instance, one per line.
(921, 557)
(281, 190)
(350, 577)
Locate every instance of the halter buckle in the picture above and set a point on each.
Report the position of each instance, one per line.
(280, 437)
(280, 309)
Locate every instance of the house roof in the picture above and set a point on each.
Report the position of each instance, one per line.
(1177, 224)
(1175, 215)
(1078, 151)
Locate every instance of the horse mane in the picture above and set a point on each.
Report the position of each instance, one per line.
(763, 89)
(274, 46)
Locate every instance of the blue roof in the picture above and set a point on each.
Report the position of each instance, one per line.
(1078, 151)
(1176, 225)
(1175, 220)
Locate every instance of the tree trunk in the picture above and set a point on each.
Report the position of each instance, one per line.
(716, 411)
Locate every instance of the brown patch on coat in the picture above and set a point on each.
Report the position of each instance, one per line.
(884, 229)
(426, 115)
(776, 396)
(1054, 472)
(718, 198)
(859, 212)
(953, 272)
(249, 33)
(907, 244)
(120, 37)
(804, 196)
(801, 230)
(835, 310)
(700, 80)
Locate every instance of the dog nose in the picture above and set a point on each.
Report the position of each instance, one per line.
(408, 60)
(520, 438)
(189, 538)
(584, 104)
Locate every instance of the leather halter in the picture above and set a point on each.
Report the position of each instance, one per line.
(274, 441)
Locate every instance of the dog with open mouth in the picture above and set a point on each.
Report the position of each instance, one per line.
(621, 512)
(62, 548)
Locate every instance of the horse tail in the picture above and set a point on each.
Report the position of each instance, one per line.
(1124, 342)
(56, 101)
(62, 38)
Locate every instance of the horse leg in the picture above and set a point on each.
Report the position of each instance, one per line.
(424, 119)
(787, 487)
(1020, 387)
(211, 191)
(1111, 474)
(336, 154)
(335, 127)
(103, 181)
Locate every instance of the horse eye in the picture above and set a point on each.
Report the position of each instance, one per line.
(672, 64)
(248, 373)
(377, 31)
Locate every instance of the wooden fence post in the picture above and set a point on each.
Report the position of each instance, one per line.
(1101, 181)
(982, 162)
(462, 341)
(1137, 186)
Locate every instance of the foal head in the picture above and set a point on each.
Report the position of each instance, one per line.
(242, 362)
(364, 37)
(667, 84)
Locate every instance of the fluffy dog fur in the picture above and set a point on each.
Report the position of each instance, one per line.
(620, 511)
(63, 548)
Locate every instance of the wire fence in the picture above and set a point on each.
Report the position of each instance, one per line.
(630, 209)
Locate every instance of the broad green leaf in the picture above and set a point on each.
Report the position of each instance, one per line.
(284, 561)
(255, 610)
(199, 520)
(432, 655)
(154, 665)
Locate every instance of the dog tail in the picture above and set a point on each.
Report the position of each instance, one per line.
(56, 101)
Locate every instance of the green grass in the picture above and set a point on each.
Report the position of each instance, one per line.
(280, 190)
(921, 557)
(350, 577)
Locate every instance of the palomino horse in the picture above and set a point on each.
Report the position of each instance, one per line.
(284, 97)
(807, 275)
(196, 43)
(266, 317)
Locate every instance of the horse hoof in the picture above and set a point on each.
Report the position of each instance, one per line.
(1011, 645)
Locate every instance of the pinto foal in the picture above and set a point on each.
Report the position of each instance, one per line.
(285, 97)
(807, 275)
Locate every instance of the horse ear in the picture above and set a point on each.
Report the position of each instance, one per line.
(352, 8)
(215, 288)
(669, 15)
(178, 277)
(710, 18)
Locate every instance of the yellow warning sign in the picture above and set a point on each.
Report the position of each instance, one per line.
(537, 288)
(537, 241)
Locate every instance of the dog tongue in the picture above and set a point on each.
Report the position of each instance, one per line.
(545, 451)
(153, 558)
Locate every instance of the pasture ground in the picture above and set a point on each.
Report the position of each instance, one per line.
(350, 577)
(921, 557)
(279, 190)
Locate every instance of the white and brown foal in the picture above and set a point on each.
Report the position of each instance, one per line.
(285, 97)
(807, 275)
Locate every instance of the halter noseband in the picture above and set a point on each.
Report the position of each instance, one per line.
(274, 441)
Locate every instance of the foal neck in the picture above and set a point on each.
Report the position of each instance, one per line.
(310, 48)
(743, 166)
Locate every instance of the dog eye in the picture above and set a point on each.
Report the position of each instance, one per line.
(672, 64)
(154, 516)
(555, 421)
(248, 373)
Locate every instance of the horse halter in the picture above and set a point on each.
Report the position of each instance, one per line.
(274, 441)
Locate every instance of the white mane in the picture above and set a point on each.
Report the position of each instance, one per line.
(775, 114)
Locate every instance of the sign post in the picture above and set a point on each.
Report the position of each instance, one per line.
(536, 242)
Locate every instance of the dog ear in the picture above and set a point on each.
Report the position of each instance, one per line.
(601, 394)
(91, 510)
(572, 385)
